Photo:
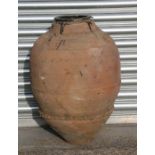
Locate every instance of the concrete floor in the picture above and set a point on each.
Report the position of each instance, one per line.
(111, 140)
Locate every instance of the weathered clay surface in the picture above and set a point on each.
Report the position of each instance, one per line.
(75, 75)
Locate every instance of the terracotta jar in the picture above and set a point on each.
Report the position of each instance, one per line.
(75, 75)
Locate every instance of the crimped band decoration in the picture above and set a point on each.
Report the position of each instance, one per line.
(83, 117)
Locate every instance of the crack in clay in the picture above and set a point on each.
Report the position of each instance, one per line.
(81, 73)
(90, 28)
(50, 38)
(62, 42)
(89, 25)
(61, 28)
(62, 25)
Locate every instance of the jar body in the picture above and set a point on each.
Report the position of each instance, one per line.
(75, 76)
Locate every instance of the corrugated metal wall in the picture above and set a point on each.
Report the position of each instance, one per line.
(116, 17)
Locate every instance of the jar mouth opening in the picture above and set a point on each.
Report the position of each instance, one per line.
(73, 18)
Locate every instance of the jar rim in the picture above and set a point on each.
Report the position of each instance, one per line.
(73, 18)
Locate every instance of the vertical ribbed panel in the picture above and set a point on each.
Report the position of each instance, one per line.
(116, 17)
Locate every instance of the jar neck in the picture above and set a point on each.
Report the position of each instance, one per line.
(73, 25)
